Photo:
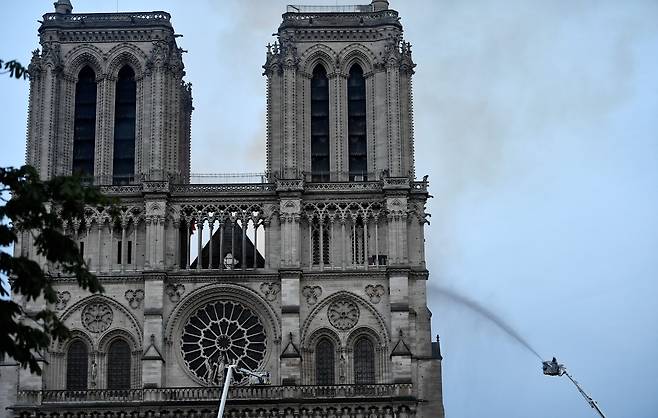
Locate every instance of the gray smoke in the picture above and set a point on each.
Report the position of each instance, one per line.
(485, 313)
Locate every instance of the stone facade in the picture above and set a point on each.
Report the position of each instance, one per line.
(320, 283)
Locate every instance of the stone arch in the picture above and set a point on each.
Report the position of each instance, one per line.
(363, 331)
(319, 54)
(320, 333)
(308, 350)
(62, 346)
(380, 351)
(356, 53)
(362, 303)
(58, 353)
(105, 340)
(116, 306)
(204, 295)
(113, 334)
(81, 56)
(126, 54)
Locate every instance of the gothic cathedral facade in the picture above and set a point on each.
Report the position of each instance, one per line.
(315, 275)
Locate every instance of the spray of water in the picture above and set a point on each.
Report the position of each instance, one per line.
(482, 311)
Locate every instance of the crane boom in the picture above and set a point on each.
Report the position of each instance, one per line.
(552, 368)
(588, 398)
(262, 378)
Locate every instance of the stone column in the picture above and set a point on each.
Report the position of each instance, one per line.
(50, 77)
(289, 102)
(290, 230)
(291, 361)
(393, 107)
(152, 361)
(155, 195)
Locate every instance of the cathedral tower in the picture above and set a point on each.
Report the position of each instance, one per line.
(316, 276)
(339, 95)
(107, 100)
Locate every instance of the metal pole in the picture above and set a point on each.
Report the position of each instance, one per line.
(227, 383)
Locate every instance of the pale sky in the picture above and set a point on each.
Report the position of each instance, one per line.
(537, 123)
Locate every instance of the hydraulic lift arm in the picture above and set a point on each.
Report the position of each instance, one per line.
(552, 368)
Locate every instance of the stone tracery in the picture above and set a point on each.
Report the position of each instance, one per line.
(97, 316)
(343, 314)
(219, 334)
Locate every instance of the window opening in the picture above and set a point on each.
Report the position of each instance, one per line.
(319, 125)
(118, 365)
(124, 127)
(324, 362)
(364, 362)
(77, 362)
(84, 125)
(358, 250)
(119, 245)
(356, 124)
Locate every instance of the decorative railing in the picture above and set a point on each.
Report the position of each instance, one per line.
(355, 8)
(354, 186)
(211, 394)
(210, 189)
(132, 18)
(265, 187)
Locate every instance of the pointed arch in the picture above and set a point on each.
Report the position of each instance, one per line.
(126, 54)
(379, 324)
(356, 54)
(318, 54)
(81, 56)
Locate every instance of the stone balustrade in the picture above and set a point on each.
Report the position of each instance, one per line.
(211, 394)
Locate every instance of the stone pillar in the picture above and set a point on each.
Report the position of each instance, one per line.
(398, 280)
(152, 361)
(290, 232)
(291, 361)
(50, 76)
(104, 148)
(396, 206)
(155, 194)
(393, 108)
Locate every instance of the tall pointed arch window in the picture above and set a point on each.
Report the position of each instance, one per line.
(77, 363)
(319, 125)
(324, 362)
(84, 124)
(118, 365)
(364, 362)
(124, 127)
(356, 124)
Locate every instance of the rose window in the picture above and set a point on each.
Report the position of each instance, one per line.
(97, 317)
(220, 334)
(343, 314)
